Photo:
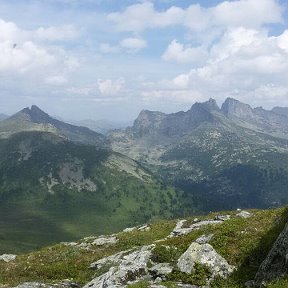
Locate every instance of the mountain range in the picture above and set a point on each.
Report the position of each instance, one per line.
(220, 157)
(61, 181)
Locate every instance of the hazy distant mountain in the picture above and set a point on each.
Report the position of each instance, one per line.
(281, 111)
(34, 119)
(3, 116)
(226, 157)
(101, 126)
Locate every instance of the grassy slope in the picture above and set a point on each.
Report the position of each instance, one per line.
(31, 218)
(243, 242)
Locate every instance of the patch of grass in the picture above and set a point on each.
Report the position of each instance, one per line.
(140, 284)
(165, 254)
(198, 277)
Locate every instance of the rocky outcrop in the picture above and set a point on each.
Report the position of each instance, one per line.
(276, 263)
(132, 267)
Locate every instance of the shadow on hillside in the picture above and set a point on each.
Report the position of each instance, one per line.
(251, 264)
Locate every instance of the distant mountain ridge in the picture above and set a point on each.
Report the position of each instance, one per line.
(272, 122)
(205, 150)
(34, 119)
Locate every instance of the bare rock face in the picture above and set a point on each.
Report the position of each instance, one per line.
(276, 263)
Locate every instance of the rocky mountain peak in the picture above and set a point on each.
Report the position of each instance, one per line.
(38, 115)
(234, 108)
(210, 105)
(147, 121)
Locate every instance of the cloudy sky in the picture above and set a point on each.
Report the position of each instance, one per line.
(109, 59)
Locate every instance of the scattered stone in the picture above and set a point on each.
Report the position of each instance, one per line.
(69, 243)
(179, 231)
(84, 246)
(7, 257)
(34, 285)
(132, 267)
(244, 214)
(129, 229)
(105, 241)
(110, 260)
(160, 271)
(206, 255)
(144, 228)
(204, 239)
(222, 217)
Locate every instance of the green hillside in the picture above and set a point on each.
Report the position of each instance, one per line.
(54, 190)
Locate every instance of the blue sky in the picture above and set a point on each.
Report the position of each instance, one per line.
(110, 59)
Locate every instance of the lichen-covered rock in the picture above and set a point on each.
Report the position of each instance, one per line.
(7, 257)
(275, 265)
(206, 255)
(105, 241)
(132, 267)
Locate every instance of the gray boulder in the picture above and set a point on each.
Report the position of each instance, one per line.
(132, 267)
(206, 255)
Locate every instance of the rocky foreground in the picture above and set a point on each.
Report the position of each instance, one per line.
(218, 250)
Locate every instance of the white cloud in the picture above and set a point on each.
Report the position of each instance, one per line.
(109, 86)
(179, 53)
(53, 33)
(245, 63)
(133, 44)
(129, 45)
(106, 48)
(247, 13)
(21, 54)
